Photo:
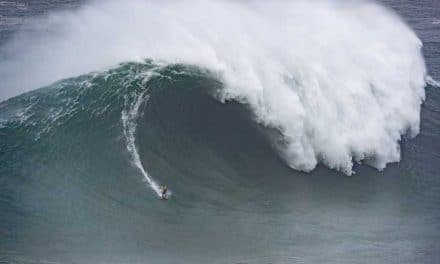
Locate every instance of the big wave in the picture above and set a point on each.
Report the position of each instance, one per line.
(341, 81)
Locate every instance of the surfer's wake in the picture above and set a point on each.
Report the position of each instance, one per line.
(129, 118)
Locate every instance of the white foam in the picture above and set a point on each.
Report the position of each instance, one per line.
(129, 118)
(342, 81)
(431, 81)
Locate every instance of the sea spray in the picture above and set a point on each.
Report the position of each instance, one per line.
(342, 81)
(129, 118)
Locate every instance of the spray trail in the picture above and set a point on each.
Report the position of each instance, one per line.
(129, 117)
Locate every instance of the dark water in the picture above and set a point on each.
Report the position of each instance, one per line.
(70, 194)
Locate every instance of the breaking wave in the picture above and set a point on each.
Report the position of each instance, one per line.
(338, 86)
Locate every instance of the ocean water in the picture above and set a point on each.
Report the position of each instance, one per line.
(287, 132)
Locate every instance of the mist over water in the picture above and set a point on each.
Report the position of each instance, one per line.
(338, 85)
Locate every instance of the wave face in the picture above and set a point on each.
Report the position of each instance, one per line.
(338, 86)
(112, 108)
(73, 156)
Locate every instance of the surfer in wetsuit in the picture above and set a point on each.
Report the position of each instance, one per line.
(163, 192)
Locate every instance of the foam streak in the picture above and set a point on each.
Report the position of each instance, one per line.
(129, 118)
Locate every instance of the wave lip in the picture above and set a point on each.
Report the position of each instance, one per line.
(341, 81)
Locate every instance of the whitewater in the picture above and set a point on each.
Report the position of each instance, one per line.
(338, 86)
(129, 118)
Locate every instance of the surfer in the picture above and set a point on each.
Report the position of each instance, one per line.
(163, 192)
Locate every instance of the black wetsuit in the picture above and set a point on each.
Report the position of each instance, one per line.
(164, 193)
